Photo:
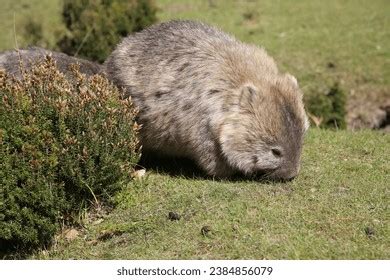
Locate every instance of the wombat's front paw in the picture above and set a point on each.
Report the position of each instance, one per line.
(218, 168)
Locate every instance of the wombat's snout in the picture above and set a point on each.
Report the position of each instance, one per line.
(288, 165)
(286, 173)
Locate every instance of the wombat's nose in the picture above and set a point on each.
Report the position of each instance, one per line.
(287, 174)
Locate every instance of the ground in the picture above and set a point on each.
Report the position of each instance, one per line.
(337, 208)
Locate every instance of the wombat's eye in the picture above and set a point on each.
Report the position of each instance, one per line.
(276, 152)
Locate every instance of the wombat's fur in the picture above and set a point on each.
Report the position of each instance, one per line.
(11, 61)
(203, 94)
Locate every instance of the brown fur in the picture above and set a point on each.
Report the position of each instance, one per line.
(204, 95)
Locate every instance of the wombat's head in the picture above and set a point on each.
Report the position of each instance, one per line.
(265, 130)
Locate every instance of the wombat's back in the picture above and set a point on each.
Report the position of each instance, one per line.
(165, 51)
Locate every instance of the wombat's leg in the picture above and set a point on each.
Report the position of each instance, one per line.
(211, 160)
(215, 167)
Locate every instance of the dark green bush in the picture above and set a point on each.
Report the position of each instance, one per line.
(94, 27)
(30, 195)
(98, 134)
(65, 143)
(329, 108)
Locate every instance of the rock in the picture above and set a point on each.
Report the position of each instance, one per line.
(373, 118)
(369, 231)
(205, 230)
(71, 234)
(139, 173)
(173, 216)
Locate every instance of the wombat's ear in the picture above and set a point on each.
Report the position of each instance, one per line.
(292, 79)
(248, 94)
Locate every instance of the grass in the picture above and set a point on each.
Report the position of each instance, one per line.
(337, 208)
(15, 14)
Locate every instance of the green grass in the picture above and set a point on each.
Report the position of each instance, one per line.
(337, 208)
(15, 14)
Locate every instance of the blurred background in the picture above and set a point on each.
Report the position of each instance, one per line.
(339, 50)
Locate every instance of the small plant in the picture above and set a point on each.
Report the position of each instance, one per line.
(64, 144)
(94, 27)
(328, 110)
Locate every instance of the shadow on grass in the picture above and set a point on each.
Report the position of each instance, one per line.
(175, 167)
(186, 168)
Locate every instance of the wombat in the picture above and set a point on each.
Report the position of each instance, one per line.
(11, 61)
(204, 95)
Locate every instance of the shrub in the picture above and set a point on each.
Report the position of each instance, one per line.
(30, 196)
(329, 108)
(64, 143)
(94, 27)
